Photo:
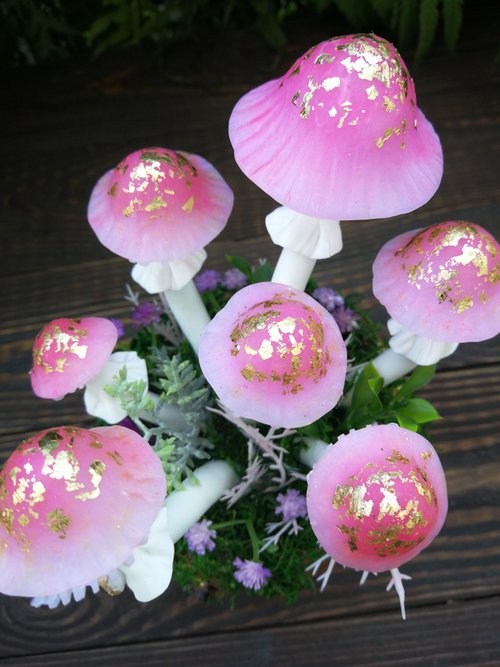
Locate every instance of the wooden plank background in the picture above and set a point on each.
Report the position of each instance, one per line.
(64, 125)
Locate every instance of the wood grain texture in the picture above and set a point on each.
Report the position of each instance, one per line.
(71, 122)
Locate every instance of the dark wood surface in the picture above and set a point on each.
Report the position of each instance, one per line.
(64, 125)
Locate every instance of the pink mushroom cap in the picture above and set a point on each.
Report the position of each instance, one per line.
(159, 205)
(275, 355)
(67, 353)
(442, 282)
(74, 504)
(339, 136)
(377, 497)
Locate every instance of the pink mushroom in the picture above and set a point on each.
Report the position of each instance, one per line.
(339, 136)
(441, 287)
(78, 508)
(159, 208)
(69, 354)
(275, 355)
(376, 498)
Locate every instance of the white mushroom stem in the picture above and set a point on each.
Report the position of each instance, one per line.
(391, 366)
(304, 240)
(189, 311)
(185, 507)
(312, 452)
(97, 400)
(174, 280)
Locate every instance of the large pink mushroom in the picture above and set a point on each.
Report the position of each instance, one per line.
(338, 137)
(159, 208)
(275, 355)
(441, 287)
(78, 507)
(376, 498)
(69, 354)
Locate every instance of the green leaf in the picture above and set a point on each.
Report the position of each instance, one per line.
(406, 422)
(263, 273)
(452, 19)
(428, 22)
(407, 22)
(419, 410)
(367, 388)
(241, 264)
(421, 376)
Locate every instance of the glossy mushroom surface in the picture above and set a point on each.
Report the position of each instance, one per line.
(275, 355)
(74, 504)
(377, 497)
(442, 282)
(159, 205)
(67, 353)
(339, 136)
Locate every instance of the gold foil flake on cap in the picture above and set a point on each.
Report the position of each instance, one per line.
(106, 586)
(116, 457)
(50, 441)
(462, 305)
(63, 343)
(187, 207)
(96, 470)
(388, 104)
(371, 93)
(7, 520)
(352, 535)
(252, 324)
(155, 204)
(324, 58)
(397, 457)
(112, 190)
(58, 522)
(389, 504)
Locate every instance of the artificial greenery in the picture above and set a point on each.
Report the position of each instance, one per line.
(35, 32)
(266, 460)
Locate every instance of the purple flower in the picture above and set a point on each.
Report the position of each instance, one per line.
(328, 298)
(128, 423)
(119, 327)
(200, 538)
(144, 314)
(207, 280)
(345, 318)
(291, 505)
(251, 574)
(234, 279)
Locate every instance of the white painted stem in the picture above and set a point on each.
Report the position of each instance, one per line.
(312, 452)
(392, 365)
(189, 312)
(293, 269)
(186, 507)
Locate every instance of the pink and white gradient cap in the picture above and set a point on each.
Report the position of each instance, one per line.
(442, 282)
(340, 136)
(275, 355)
(159, 205)
(68, 353)
(377, 497)
(74, 505)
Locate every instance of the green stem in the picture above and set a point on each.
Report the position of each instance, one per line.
(254, 540)
(227, 524)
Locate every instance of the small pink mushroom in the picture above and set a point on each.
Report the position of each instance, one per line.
(441, 287)
(68, 353)
(78, 505)
(376, 498)
(159, 208)
(275, 355)
(338, 137)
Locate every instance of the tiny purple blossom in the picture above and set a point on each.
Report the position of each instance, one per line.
(144, 314)
(345, 318)
(207, 280)
(120, 329)
(328, 298)
(234, 279)
(291, 505)
(251, 574)
(200, 538)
